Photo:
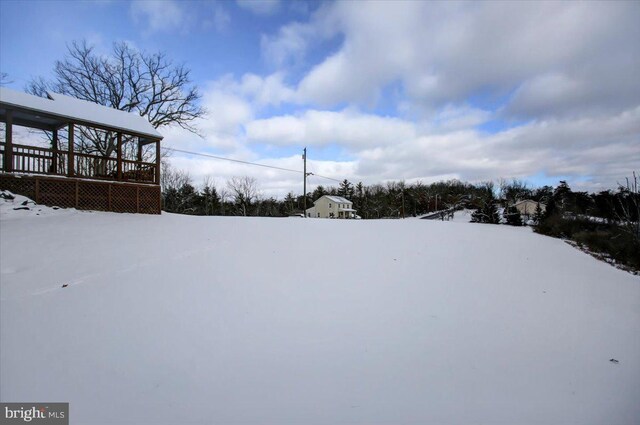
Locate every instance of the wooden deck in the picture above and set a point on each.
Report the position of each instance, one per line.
(68, 192)
(75, 176)
(35, 160)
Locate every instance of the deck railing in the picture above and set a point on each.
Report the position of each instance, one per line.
(36, 160)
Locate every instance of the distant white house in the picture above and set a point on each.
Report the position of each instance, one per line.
(527, 207)
(332, 207)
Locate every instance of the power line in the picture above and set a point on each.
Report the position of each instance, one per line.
(324, 177)
(222, 158)
(233, 160)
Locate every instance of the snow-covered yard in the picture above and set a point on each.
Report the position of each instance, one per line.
(219, 320)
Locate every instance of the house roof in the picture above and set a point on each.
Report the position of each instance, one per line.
(61, 109)
(524, 201)
(337, 199)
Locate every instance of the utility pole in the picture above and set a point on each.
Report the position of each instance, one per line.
(304, 186)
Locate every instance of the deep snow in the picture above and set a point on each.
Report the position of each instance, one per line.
(175, 319)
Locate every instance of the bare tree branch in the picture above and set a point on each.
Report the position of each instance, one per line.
(127, 79)
(244, 191)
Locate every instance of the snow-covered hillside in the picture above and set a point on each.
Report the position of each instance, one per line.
(175, 319)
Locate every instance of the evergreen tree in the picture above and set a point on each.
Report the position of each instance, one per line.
(289, 203)
(538, 216)
(551, 209)
(318, 193)
(190, 201)
(512, 216)
(211, 200)
(487, 209)
(358, 202)
(346, 190)
(170, 199)
(562, 196)
(542, 194)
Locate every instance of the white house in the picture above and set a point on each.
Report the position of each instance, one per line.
(527, 207)
(332, 207)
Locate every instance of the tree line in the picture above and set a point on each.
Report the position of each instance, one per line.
(606, 223)
(395, 199)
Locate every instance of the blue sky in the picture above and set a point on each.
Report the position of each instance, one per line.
(377, 90)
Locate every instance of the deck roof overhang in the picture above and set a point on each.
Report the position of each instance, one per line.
(58, 111)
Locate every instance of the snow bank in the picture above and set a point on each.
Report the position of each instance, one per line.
(14, 206)
(174, 319)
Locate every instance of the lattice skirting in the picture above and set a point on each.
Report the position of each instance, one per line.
(85, 195)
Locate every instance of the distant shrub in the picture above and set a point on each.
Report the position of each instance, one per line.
(512, 216)
(609, 240)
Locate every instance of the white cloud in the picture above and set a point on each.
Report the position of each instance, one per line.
(159, 15)
(225, 111)
(289, 46)
(270, 90)
(222, 126)
(595, 150)
(347, 128)
(456, 117)
(221, 18)
(600, 149)
(259, 91)
(293, 40)
(568, 70)
(446, 52)
(260, 7)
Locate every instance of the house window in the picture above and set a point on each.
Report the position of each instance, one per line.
(329, 205)
(318, 214)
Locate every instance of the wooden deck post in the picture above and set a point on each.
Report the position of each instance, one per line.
(54, 147)
(71, 159)
(8, 147)
(119, 156)
(139, 157)
(157, 179)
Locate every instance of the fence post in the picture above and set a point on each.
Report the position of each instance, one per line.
(157, 162)
(119, 156)
(138, 199)
(77, 193)
(8, 137)
(54, 145)
(71, 159)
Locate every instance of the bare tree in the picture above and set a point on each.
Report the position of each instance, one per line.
(4, 79)
(148, 84)
(244, 191)
(513, 191)
(223, 194)
(172, 179)
(628, 211)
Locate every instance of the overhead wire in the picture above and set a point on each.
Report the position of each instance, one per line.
(222, 158)
(324, 177)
